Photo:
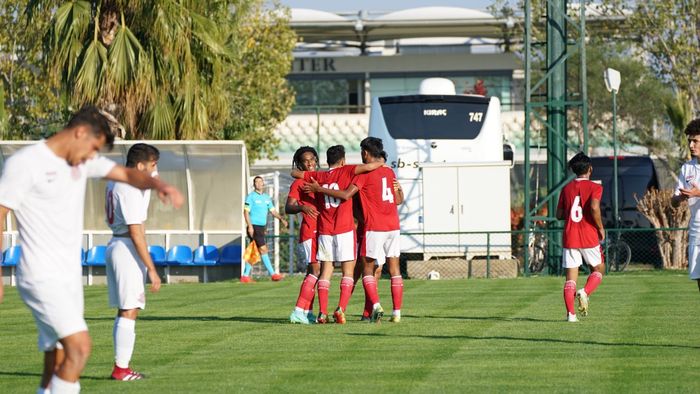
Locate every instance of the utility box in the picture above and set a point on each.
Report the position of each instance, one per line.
(468, 199)
(447, 151)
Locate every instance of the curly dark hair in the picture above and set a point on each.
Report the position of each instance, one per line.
(693, 128)
(296, 161)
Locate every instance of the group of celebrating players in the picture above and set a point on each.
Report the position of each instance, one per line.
(349, 216)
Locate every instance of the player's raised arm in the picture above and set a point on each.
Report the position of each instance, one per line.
(398, 192)
(362, 168)
(298, 174)
(292, 206)
(166, 192)
(314, 187)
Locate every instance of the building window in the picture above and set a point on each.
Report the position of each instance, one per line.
(328, 95)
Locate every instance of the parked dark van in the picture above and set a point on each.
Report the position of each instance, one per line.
(636, 175)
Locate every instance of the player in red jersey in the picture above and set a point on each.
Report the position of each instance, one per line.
(336, 228)
(298, 201)
(381, 225)
(579, 206)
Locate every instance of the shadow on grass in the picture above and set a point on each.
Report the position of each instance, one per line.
(38, 375)
(543, 340)
(491, 318)
(245, 319)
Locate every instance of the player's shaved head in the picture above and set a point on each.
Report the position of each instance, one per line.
(95, 120)
(141, 153)
(580, 164)
(335, 154)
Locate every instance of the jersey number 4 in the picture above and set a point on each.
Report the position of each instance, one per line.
(331, 202)
(576, 214)
(387, 195)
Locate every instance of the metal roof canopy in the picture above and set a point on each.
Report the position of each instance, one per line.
(317, 26)
(313, 26)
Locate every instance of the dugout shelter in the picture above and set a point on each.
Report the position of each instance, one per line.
(213, 178)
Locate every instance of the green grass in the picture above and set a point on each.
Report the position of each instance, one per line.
(455, 336)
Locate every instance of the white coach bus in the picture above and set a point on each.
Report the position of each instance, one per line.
(447, 151)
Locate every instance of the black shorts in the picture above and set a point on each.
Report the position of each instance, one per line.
(259, 235)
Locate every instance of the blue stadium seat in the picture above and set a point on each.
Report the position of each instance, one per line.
(230, 254)
(157, 253)
(11, 256)
(179, 255)
(206, 255)
(96, 256)
(82, 256)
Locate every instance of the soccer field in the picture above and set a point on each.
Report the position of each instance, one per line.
(455, 336)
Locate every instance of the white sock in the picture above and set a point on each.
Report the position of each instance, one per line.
(124, 336)
(42, 390)
(298, 310)
(375, 306)
(396, 312)
(60, 386)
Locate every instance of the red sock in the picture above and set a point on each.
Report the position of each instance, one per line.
(397, 291)
(569, 294)
(306, 293)
(368, 307)
(592, 283)
(345, 292)
(370, 285)
(323, 286)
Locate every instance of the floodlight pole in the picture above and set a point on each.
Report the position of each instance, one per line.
(614, 121)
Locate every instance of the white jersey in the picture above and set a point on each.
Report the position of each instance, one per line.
(689, 178)
(47, 196)
(125, 205)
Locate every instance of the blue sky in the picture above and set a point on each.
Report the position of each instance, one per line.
(385, 5)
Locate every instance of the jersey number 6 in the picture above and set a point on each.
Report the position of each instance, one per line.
(576, 210)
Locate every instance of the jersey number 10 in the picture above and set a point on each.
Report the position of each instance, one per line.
(331, 202)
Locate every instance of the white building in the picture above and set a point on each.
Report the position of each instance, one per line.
(343, 60)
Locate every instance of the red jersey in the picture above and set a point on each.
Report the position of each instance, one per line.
(378, 199)
(307, 230)
(575, 199)
(335, 215)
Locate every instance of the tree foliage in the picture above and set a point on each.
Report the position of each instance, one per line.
(669, 32)
(174, 69)
(640, 101)
(262, 97)
(29, 106)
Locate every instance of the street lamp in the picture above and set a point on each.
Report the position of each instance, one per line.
(612, 83)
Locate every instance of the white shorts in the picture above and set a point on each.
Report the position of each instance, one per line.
(308, 250)
(57, 306)
(126, 275)
(693, 257)
(340, 247)
(572, 258)
(379, 245)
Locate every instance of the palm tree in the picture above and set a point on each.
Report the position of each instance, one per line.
(159, 66)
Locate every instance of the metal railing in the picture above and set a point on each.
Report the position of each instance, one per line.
(502, 253)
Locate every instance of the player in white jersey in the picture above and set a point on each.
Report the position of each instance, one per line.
(44, 185)
(688, 188)
(128, 260)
